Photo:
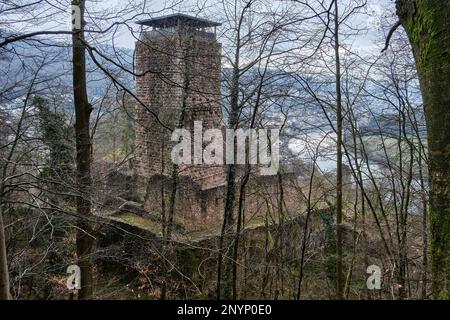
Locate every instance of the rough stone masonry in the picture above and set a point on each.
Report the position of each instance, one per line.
(178, 64)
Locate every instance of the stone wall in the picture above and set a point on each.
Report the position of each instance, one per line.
(176, 70)
(202, 209)
(181, 71)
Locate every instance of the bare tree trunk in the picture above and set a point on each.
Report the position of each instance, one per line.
(266, 275)
(239, 224)
(167, 252)
(339, 272)
(305, 231)
(356, 235)
(423, 294)
(4, 275)
(359, 190)
(224, 275)
(280, 231)
(84, 239)
(427, 23)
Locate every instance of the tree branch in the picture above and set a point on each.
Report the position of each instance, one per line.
(390, 34)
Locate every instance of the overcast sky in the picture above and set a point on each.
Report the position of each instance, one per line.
(364, 42)
(205, 8)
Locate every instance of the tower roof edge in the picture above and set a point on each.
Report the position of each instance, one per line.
(178, 19)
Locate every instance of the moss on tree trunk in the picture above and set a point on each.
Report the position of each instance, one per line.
(427, 23)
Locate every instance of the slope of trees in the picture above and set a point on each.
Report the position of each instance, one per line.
(370, 177)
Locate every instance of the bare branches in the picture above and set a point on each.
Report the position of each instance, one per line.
(390, 34)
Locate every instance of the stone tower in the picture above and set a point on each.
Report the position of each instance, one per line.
(178, 63)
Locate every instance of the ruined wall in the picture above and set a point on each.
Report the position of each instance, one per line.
(262, 196)
(176, 70)
(202, 209)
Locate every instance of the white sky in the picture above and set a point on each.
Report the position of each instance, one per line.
(207, 8)
(364, 42)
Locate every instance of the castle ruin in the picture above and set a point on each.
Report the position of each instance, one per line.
(178, 67)
(179, 61)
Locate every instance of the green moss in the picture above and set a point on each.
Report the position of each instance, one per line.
(140, 222)
(440, 255)
(190, 263)
(427, 26)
